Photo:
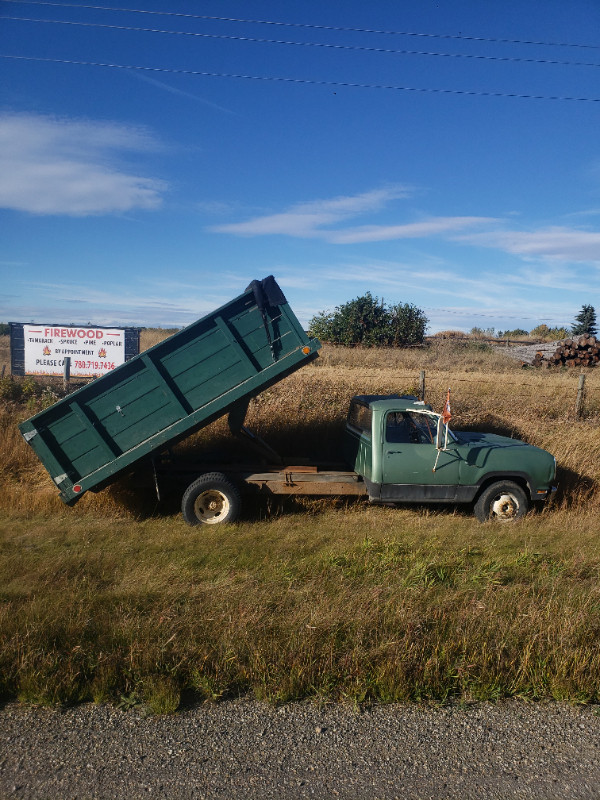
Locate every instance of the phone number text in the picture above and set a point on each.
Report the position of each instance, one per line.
(96, 365)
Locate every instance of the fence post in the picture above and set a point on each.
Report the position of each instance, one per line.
(67, 372)
(422, 386)
(580, 396)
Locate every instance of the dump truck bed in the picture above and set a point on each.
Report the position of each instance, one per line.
(176, 387)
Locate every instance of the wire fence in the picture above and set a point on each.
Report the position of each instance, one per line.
(582, 396)
(579, 390)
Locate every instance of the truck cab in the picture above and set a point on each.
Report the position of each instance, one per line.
(406, 454)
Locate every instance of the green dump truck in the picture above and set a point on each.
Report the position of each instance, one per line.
(395, 450)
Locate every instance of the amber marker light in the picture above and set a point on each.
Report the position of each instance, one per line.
(306, 350)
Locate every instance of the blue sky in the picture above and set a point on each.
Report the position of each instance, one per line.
(409, 149)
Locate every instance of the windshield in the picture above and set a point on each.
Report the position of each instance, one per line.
(414, 427)
(411, 427)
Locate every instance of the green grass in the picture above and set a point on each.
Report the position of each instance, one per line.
(351, 602)
(311, 599)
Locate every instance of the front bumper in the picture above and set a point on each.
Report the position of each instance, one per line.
(541, 495)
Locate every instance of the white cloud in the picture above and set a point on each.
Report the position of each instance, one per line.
(158, 302)
(416, 230)
(439, 280)
(327, 220)
(586, 212)
(445, 293)
(324, 219)
(553, 243)
(306, 220)
(51, 165)
(448, 298)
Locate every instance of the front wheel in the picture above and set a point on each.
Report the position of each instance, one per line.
(503, 501)
(211, 500)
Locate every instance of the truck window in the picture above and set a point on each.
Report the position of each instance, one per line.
(359, 417)
(425, 425)
(397, 429)
(409, 427)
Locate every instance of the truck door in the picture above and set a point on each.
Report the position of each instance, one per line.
(409, 456)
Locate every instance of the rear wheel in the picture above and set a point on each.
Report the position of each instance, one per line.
(211, 500)
(503, 501)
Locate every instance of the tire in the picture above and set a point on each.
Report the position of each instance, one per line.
(503, 501)
(211, 500)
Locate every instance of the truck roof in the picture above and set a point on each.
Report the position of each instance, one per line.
(397, 402)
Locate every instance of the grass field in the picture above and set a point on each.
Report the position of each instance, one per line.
(118, 600)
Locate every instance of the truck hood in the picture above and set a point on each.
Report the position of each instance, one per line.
(488, 452)
(474, 438)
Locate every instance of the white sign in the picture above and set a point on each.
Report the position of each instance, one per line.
(93, 351)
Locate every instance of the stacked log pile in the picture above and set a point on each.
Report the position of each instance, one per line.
(583, 351)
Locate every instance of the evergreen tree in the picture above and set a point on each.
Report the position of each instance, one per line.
(585, 322)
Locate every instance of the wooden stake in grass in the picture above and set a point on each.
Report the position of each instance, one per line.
(67, 372)
(580, 396)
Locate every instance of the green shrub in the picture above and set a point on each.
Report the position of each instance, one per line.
(514, 334)
(368, 321)
(10, 389)
(544, 332)
(483, 333)
(28, 391)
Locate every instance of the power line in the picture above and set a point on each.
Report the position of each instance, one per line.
(310, 26)
(304, 81)
(327, 45)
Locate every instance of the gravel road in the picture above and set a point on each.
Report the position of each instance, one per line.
(244, 749)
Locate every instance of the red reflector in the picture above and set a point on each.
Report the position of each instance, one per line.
(77, 488)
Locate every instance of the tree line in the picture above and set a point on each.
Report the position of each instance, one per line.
(585, 322)
(370, 322)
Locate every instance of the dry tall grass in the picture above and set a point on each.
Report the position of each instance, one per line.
(111, 601)
(304, 415)
(5, 354)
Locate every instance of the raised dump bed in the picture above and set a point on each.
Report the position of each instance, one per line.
(162, 395)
